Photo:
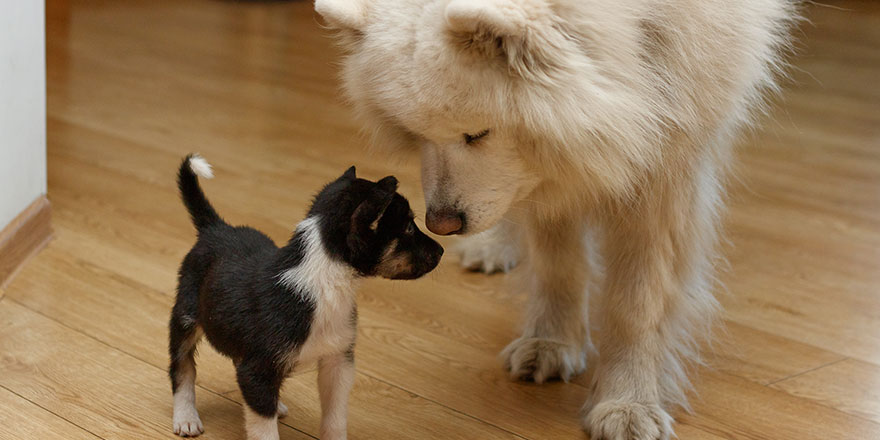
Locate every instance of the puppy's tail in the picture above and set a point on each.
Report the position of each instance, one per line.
(201, 211)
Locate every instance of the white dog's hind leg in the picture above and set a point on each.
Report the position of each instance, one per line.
(556, 338)
(494, 250)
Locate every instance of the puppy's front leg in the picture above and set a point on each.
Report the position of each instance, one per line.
(555, 337)
(335, 379)
(260, 383)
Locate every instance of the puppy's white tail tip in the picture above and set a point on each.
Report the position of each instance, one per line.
(200, 166)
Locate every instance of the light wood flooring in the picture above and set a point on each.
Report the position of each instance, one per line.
(134, 85)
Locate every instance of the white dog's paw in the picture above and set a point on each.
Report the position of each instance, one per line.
(282, 410)
(490, 251)
(540, 359)
(628, 421)
(187, 423)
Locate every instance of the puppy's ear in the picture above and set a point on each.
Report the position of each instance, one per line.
(349, 173)
(389, 184)
(343, 14)
(524, 34)
(365, 219)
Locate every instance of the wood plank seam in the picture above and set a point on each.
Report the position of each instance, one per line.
(855, 413)
(51, 412)
(208, 390)
(446, 406)
(805, 372)
(225, 396)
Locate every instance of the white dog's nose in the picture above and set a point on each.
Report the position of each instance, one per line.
(445, 221)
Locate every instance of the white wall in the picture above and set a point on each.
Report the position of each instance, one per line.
(22, 105)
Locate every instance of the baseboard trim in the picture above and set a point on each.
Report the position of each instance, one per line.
(23, 238)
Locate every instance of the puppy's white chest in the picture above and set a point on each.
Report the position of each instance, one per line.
(329, 284)
(333, 330)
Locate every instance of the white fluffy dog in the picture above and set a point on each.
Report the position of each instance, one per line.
(540, 121)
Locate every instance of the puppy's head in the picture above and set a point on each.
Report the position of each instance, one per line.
(371, 227)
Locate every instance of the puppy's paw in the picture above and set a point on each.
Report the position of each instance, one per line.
(614, 420)
(490, 251)
(282, 410)
(540, 359)
(187, 423)
(333, 434)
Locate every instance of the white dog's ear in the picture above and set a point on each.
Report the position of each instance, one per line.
(498, 18)
(523, 32)
(343, 14)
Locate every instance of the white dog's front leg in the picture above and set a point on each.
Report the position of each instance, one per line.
(495, 250)
(657, 301)
(555, 338)
(626, 400)
(335, 380)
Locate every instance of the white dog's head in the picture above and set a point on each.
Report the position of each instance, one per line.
(491, 91)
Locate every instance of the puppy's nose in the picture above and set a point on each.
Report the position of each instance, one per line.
(445, 221)
(435, 257)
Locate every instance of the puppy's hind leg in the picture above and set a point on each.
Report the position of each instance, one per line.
(282, 410)
(335, 379)
(184, 336)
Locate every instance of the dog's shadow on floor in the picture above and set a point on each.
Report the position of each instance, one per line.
(218, 414)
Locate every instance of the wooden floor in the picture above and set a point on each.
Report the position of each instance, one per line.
(134, 85)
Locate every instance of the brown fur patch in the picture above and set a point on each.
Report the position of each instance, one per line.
(393, 262)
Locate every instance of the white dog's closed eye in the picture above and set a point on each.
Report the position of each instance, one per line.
(471, 138)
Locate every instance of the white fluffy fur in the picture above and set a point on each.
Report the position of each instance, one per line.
(200, 166)
(618, 116)
(345, 13)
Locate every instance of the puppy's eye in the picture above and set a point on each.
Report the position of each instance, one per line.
(471, 138)
(410, 228)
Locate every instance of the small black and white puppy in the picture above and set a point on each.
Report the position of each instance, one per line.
(271, 308)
